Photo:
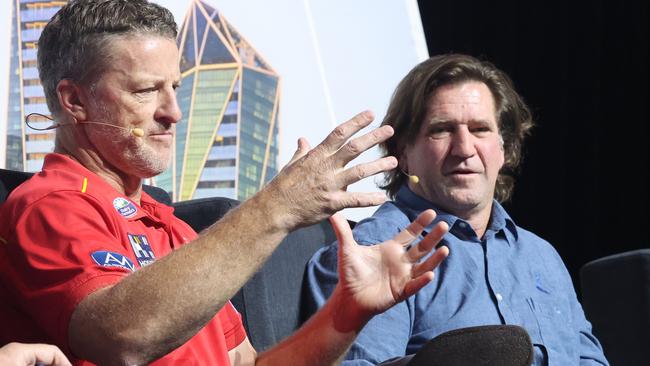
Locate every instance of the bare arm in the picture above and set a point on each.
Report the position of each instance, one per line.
(372, 279)
(166, 303)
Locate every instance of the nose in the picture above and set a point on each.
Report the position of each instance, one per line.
(462, 144)
(168, 109)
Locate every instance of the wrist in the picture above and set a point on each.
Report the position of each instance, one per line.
(273, 209)
(346, 315)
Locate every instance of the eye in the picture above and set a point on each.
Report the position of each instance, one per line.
(146, 91)
(440, 131)
(480, 129)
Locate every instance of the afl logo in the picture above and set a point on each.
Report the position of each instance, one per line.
(124, 207)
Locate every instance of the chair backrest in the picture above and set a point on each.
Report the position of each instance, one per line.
(9, 180)
(616, 299)
(271, 301)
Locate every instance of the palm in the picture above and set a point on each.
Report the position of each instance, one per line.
(379, 276)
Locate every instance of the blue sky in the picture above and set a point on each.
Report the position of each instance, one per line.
(335, 58)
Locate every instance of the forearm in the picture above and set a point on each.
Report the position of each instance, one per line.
(166, 303)
(323, 340)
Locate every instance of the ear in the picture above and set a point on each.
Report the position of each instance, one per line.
(503, 152)
(71, 99)
(403, 159)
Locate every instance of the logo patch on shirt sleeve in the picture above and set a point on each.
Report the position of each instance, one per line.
(142, 249)
(112, 259)
(124, 207)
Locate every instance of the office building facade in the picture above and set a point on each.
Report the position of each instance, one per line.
(26, 147)
(227, 142)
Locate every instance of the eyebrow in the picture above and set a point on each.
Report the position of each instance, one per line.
(437, 121)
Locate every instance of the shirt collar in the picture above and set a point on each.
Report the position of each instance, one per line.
(413, 205)
(91, 182)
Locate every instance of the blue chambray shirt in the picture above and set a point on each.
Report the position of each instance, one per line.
(510, 276)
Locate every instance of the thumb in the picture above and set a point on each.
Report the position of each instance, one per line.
(303, 147)
(341, 229)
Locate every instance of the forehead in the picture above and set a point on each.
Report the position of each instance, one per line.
(143, 55)
(462, 102)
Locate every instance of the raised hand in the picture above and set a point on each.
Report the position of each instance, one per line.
(374, 278)
(19, 354)
(314, 183)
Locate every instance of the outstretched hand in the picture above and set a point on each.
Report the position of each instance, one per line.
(314, 183)
(374, 278)
(20, 354)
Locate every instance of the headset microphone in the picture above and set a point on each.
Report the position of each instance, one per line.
(135, 131)
(412, 178)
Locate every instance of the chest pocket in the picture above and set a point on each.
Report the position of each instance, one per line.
(546, 316)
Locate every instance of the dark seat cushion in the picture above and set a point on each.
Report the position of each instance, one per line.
(616, 299)
(271, 302)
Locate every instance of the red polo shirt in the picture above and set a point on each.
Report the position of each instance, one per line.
(66, 233)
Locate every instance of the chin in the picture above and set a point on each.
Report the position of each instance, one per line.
(147, 169)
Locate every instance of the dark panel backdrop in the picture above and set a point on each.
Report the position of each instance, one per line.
(582, 66)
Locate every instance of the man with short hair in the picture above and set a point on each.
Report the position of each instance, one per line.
(459, 128)
(91, 263)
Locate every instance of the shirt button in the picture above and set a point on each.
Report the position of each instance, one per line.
(499, 297)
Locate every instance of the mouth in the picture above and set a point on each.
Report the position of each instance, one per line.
(162, 134)
(461, 172)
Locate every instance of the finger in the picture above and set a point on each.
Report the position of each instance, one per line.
(356, 146)
(303, 148)
(46, 354)
(361, 171)
(431, 263)
(341, 229)
(406, 236)
(344, 131)
(428, 243)
(416, 284)
(359, 199)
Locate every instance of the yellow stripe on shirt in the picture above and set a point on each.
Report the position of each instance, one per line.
(84, 185)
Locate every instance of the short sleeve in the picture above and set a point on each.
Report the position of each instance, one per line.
(62, 249)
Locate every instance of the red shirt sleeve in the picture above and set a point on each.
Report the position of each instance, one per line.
(50, 258)
(233, 328)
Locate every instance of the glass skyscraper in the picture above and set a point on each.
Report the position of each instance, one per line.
(226, 144)
(25, 147)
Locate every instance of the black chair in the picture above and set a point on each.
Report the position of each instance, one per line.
(616, 299)
(270, 302)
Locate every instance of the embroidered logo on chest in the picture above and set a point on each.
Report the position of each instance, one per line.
(124, 207)
(142, 249)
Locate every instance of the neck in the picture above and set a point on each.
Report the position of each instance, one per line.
(477, 215)
(128, 185)
(478, 219)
